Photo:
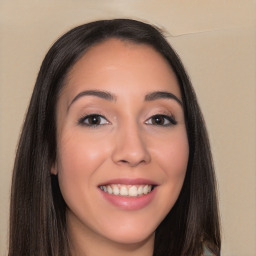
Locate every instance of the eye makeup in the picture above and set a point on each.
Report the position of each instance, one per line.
(96, 119)
(161, 120)
(93, 120)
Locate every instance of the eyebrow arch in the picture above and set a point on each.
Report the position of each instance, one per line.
(162, 95)
(101, 94)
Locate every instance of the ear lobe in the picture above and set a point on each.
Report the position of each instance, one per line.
(54, 169)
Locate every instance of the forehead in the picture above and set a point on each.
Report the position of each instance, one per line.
(122, 63)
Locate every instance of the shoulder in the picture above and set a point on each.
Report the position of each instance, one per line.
(207, 252)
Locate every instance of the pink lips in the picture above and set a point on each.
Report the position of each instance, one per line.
(129, 203)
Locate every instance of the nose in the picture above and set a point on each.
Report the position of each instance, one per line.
(130, 147)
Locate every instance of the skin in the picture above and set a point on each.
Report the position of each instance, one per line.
(126, 143)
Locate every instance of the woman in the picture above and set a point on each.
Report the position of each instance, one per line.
(114, 157)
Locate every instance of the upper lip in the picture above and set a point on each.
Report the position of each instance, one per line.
(129, 181)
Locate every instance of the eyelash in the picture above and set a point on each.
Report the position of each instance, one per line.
(82, 121)
(168, 120)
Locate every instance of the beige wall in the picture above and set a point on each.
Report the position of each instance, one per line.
(216, 41)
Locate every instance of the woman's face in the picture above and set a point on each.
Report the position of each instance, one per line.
(122, 147)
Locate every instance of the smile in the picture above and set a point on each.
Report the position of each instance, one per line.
(127, 190)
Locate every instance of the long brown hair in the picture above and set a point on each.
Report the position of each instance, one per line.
(37, 218)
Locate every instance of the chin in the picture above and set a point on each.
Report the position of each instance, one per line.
(131, 237)
(128, 233)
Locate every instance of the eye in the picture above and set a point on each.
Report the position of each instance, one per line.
(93, 120)
(161, 120)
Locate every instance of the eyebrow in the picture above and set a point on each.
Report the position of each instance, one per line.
(101, 94)
(162, 95)
(110, 97)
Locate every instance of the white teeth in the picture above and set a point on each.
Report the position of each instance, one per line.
(115, 190)
(133, 191)
(124, 191)
(145, 190)
(140, 190)
(127, 190)
(109, 189)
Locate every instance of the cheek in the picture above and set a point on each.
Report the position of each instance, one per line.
(173, 154)
(173, 161)
(170, 155)
(77, 151)
(78, 159)
(172, 158)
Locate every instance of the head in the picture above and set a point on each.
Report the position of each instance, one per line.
(193, 213)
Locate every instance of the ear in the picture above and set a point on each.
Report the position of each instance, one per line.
(54, 169)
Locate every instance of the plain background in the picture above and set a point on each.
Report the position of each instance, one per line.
(216, 41)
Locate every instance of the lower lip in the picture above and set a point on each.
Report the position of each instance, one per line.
(130, 203)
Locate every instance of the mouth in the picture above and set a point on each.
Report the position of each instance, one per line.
(127, 190)
(129, 193)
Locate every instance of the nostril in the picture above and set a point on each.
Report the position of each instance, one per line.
(132, 162)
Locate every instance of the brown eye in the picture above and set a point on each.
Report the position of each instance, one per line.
(93, 120)
(158, 120)
(161, 120)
